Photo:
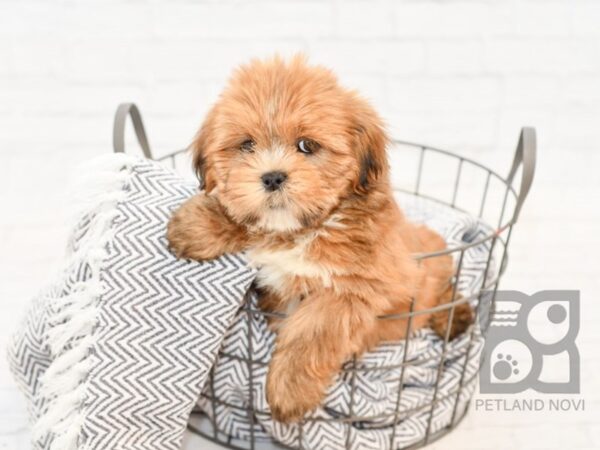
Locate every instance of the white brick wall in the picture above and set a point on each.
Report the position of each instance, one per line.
(460, 74)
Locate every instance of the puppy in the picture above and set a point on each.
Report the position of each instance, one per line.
(294, 172)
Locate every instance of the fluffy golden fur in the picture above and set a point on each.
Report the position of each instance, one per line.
(333, 249)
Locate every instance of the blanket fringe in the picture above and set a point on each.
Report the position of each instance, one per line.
(101, 186)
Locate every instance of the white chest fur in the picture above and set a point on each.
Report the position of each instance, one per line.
(277, 268)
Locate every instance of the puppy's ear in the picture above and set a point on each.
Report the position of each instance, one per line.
(370, 142)
(199, 162)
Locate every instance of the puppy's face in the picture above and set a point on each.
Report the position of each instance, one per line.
(285, 144)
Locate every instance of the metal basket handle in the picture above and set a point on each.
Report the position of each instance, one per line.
(123, 111)
(525, 155)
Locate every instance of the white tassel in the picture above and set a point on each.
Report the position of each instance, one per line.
(111, 162)
(70, 304)
(81, 323)
(58, 386)
(70, 337)
(68, 439)
(68, 359)
(99, 183)
(59, 413)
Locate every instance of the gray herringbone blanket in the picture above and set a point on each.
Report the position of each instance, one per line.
(377, 392)
(115, 354)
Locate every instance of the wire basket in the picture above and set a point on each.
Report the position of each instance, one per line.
(459, 183)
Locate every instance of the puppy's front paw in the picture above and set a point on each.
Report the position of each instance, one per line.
(290, 392)
(193, 231)
(178, 236)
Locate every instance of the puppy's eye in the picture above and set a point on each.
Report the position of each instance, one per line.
(247, 145)
(307, 146)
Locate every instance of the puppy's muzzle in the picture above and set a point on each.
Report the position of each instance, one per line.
(273, 181)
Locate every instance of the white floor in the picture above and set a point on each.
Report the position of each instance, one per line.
(555, 246)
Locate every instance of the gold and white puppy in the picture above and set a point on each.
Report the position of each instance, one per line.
(294, 172)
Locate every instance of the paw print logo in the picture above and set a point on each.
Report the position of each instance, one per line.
(505, 367)
(510, 362)
(523, 333)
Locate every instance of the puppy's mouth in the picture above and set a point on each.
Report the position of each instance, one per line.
(276, 200)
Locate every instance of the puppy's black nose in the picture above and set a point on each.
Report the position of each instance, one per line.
(272, 181)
